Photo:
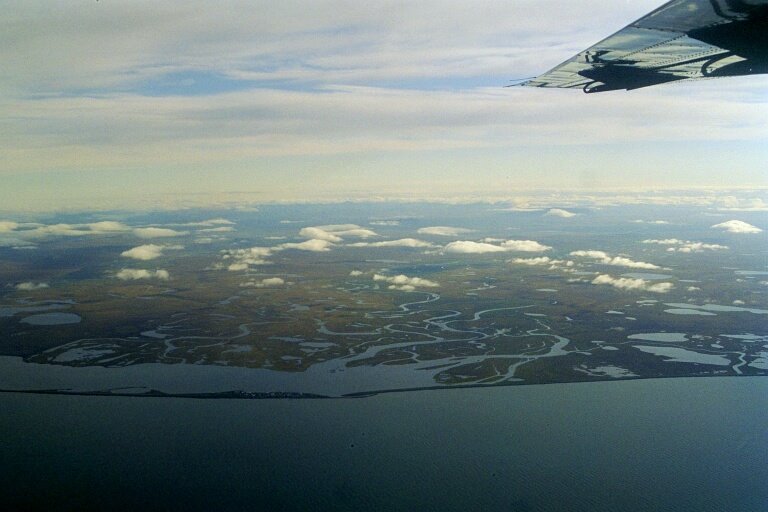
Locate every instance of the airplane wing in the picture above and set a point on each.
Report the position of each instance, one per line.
(681, 40)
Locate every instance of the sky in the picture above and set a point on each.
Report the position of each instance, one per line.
(118, 104)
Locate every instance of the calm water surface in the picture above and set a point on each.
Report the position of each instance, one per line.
(675, 444)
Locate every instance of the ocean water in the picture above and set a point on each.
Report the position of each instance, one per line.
(689, 444)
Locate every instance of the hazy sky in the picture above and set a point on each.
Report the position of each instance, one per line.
(109, 102)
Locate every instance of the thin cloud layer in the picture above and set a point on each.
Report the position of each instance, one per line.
(442, 231)
(210, 223)
(366, 90)
(736, 204)
(6, 226)
(57, 230)
(63, 229)
(686, 246)
(625, 283)
(738, 227)
(152, 232)
(617, 261)
(100, 228)
(107, 226)
(403, 242)
(219, 229)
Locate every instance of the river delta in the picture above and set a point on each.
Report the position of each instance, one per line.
(370, 298)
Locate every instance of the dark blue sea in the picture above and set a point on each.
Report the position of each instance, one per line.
(689, 444)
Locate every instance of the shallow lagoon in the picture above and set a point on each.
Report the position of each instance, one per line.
(667, 337)
(674, 444)
(688, 312)
(680, 355)
(52, 319)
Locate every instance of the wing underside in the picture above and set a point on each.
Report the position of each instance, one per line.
(682, 39)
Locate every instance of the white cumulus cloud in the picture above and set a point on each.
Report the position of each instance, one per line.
(242, 259)
(133, 274)
(666, 241)
(157, 232)
(558, 212)
(144, 252)
(236, 260)
(314, 245)
(542, 260)
(738, 227)
(149, 251)
(617, 261)
(469, 247)
(404, 283)
(625, 283)
(30, 286)
(319, 234)
(524, 246)
(269, 282)
(335, 233)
